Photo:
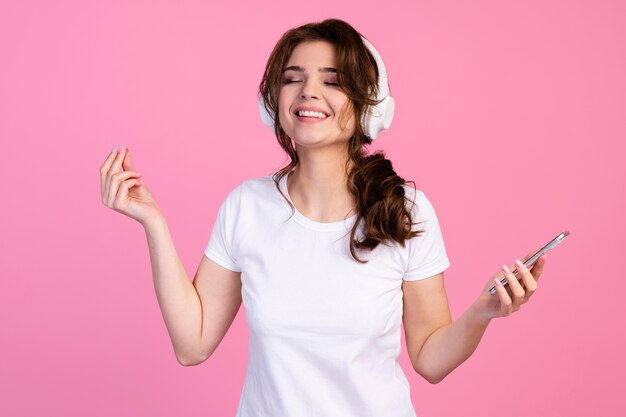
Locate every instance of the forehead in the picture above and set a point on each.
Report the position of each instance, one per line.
(313, 54)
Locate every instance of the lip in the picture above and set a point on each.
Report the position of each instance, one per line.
(305, 119)
(310, 108)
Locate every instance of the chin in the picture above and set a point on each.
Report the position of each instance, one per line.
(309, 142)
(310, 138)
(307, 138)
(319, 142)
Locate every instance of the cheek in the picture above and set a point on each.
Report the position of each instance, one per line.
(283, 111)
(346, 116)
(281, 99)
(285, 96)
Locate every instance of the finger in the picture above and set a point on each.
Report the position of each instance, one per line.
(525, 258)
(529, 255)
(115, 168)
(506, 304)
(529, 281)
(104, 169)
(517, 291)
(123, 190)
(105, 174)
(120, 190)
(114, 188)
(127, 162)
(538, 268)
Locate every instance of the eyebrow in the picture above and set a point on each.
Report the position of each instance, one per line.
(300, 69)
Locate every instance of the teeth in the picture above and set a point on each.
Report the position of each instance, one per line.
(307, 113)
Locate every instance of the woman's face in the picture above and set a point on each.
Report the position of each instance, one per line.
(310, 103)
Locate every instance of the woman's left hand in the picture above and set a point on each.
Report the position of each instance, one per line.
(509, 299)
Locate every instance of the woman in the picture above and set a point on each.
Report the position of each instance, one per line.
(329, 255)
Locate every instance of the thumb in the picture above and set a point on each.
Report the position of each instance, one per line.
(527, 257)
(127, 163)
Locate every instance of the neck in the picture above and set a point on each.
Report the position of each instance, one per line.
(318, 186)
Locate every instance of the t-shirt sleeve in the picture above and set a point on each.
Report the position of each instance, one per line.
(426, 253)
(221, 247)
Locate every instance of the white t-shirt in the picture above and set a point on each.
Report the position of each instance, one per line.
(324, 329)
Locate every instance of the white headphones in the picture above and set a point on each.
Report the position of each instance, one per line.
(377, 118)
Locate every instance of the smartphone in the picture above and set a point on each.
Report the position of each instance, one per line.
(531, 261)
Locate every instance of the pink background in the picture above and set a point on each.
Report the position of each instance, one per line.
(510, 116)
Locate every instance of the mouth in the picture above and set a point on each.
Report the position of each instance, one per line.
(310, 115)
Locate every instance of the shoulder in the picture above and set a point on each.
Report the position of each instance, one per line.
(258, 184)
(412, 193)
(255, 197)
(246, 203)
(252, 187)
(416, 200)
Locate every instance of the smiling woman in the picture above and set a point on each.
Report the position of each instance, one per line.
(330, 68)
(330, 255)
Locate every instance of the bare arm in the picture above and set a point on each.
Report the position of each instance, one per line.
(435, 343)
(426, 312)
(196, 315)
(220, 294)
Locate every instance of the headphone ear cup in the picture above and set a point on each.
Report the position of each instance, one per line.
(378, 118)
(266, 117)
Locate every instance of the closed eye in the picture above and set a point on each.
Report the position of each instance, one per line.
(299, 81)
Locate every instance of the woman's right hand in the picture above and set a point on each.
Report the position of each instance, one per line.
(122, 190)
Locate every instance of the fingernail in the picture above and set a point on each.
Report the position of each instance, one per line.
(114, 149)
(497, 282)
(519, 263)
(122, 148)
(506, 269)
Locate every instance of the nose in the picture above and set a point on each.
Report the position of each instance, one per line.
(309, 89)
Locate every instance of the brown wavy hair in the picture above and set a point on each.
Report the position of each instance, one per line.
(379, 192)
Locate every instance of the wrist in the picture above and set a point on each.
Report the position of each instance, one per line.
(476, 315)
(155, 221)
